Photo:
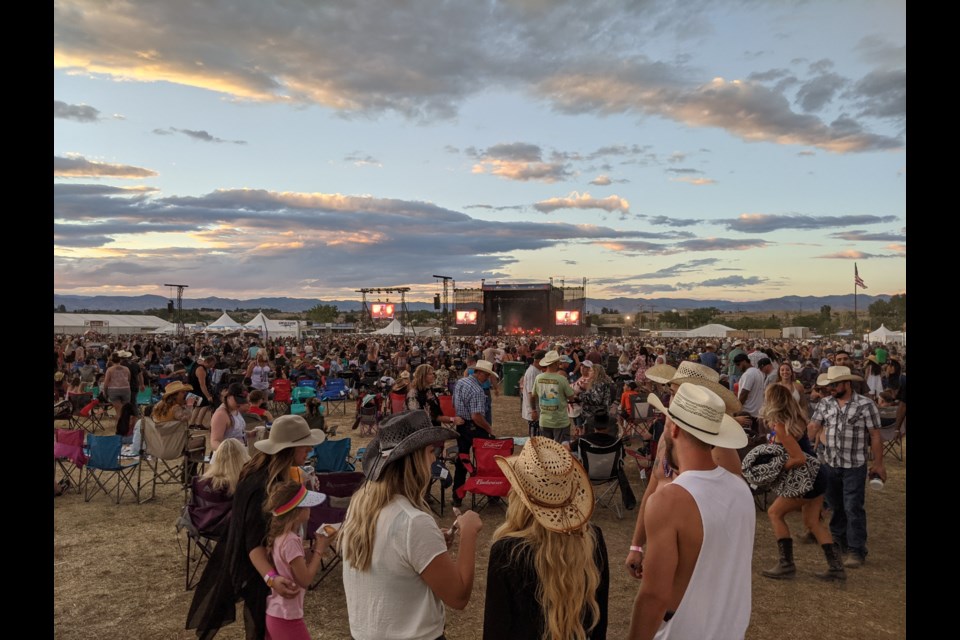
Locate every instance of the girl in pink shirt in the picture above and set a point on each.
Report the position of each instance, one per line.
(289, 503)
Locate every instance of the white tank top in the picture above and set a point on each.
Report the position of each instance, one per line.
(716, 604)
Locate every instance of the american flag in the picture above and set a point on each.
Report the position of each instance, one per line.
(857, 280)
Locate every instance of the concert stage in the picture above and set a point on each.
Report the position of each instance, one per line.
(521, 308)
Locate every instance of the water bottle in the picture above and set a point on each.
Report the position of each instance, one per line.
(875, 482)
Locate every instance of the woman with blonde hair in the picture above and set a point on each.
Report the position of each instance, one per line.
(212, 493)
(548, 575)
(397, 570)
(789, 428)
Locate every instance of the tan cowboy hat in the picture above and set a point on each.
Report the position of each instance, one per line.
(701, 413)
(290, 431)
(550, 358)
(704, 376)
(399, 436)
(551, 483)
(176, 387)
(124, 354)
(486, 367)
(662, 373)
(836, 374)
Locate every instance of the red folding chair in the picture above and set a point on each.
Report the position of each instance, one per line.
(69, 457)
(485, 478)
(282, 396)
(446, 406)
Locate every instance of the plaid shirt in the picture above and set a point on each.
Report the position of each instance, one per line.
(469, 398)
(847, 429)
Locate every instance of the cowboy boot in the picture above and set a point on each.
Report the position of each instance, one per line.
(785, 567)
(836, 571)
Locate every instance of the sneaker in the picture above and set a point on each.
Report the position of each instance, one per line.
(854, 561)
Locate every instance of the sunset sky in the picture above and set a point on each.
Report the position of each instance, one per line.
(695, 149)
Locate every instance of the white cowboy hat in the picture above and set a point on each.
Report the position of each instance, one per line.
(701, 413)
(550, 358)
(698, 374)
(486, 367)
(553, 486)
(836, 374)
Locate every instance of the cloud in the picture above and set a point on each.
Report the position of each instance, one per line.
(76, 112)
(682, 267)
(365, 57)
(80, 167)
(882, 94)
(768, 75)
(851, 254)
(863, 236)
(728, 281)
(639, 289)
(201, 136)
(506, 207)
(362, 160)
(635, 247)
(601, 181)
(880, 51)
(253, 239)
(673, 222)
(817, 93)
(685, 171)
(577, 201)
(765, 223)
(697, 182)
(720, 244)
(519, 161)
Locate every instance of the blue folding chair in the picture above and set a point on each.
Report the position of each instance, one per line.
(106, 471)
(333, 456)
(307, 382)
(335, 392)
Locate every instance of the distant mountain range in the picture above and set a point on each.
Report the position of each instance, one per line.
(798, 304)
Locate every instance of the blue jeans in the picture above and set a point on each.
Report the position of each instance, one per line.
(845, 496)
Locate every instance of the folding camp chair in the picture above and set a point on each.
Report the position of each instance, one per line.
(442, 477)
(69, 457)
(298, 396)
(282, 396)
(338, 487)
(335, 392)
(446, 406)
(638, 424)
(369, 419)
(892, 439)
(107, 471)
(85, 412)
(331, 456)
(603, 465)
(485, 478)
(164, 444)
(199, 546)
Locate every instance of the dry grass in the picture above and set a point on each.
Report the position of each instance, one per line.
(118, 571)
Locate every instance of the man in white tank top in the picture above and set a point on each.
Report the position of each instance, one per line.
(700, 529)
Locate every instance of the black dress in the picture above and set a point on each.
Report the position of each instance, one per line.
(229, 575)
(512, 612)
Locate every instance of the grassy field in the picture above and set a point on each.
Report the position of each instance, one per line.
(119, 570)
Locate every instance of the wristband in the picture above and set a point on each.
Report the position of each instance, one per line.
(270, 576)
(634, 547)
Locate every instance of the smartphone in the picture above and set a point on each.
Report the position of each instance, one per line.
(329, 530)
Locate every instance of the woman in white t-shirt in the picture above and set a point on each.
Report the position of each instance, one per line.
(397, 570)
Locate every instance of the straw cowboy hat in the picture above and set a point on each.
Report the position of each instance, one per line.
(836, 374)
(697, 374)
(124, 354)
(550, 358)
(290, 431)
(701, 413)
(486, 367)
(176, 387)
(553, 486)
(399, 436)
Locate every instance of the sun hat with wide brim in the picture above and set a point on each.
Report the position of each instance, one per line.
(290, 431)
(836, 374)
(551, 483)
(400, 435)
(662, 373)
(702, 413)
(176, 387)
(486, 366)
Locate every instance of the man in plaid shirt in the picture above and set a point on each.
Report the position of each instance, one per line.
(470, 402)
(852, 427)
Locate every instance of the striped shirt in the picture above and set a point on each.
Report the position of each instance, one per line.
(847, 429)
(469, 398)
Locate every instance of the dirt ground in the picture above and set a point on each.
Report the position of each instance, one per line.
(119, 570)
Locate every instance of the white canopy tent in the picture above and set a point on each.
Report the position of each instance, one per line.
(885, 335)
(709, 331)
(274, 328)
(223, 323)
(107, 323)
(396, 329)
(392, 329)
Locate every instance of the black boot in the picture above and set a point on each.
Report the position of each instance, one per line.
(836, 571)
(785, 567)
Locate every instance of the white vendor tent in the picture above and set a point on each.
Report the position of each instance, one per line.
(396, 329)
(885, 335)
(223, 323)
(709, 331)
(274, 328)
(107, 323)
(392, 329)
